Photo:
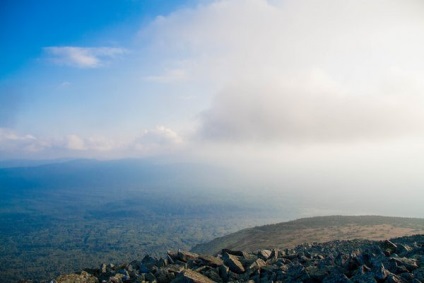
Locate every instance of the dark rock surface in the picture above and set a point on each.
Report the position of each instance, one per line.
(397, 260)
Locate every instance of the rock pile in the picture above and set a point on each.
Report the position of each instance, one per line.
(396, 260)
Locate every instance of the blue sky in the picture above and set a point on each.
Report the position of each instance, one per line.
(29, 26)
(308, 95)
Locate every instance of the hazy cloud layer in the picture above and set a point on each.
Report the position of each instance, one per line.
(11, 141)
(82, 57)
(160, 139)
(293, 71)
(310, 108)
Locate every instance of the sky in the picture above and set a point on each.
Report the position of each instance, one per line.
(323, 95)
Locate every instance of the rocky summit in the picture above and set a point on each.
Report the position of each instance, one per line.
(395, 260)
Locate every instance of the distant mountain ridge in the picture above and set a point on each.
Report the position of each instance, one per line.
(315, 229)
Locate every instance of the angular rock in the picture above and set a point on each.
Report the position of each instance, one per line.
(264, 254)
(149, 261)
(191, 276)
(389, 246)
(363, 269)
(234, 277)
(406, 276)
(150, 277)
(364, 278)
(392, 278)
(297, 272)
(211, 260)
(410, 264)
(380, 273)
(257, 264)
(213, 275)
(236, 253)
(402, 249)
(336, 277)
(186, 256)
(164, 275)
(223, 272)
(162, 262)
(316, 273)
(175, 268)
(275, 254)
(419, 273)
(103, 268)
(233, 263)
(117, 278)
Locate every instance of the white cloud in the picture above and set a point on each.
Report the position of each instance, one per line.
(160, 139)
(299, 70)
(74, 142)
(100, 144)
(82, 57)
(309, 108)
(11, 141)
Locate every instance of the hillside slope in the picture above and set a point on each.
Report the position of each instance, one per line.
(315, 229)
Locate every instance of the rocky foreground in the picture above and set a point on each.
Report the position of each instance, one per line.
(396, 260)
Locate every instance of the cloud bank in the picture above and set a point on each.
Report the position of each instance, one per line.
(311, 108)
(301, 71)
(149, 142)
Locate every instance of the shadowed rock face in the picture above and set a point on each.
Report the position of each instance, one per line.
(396, 260)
